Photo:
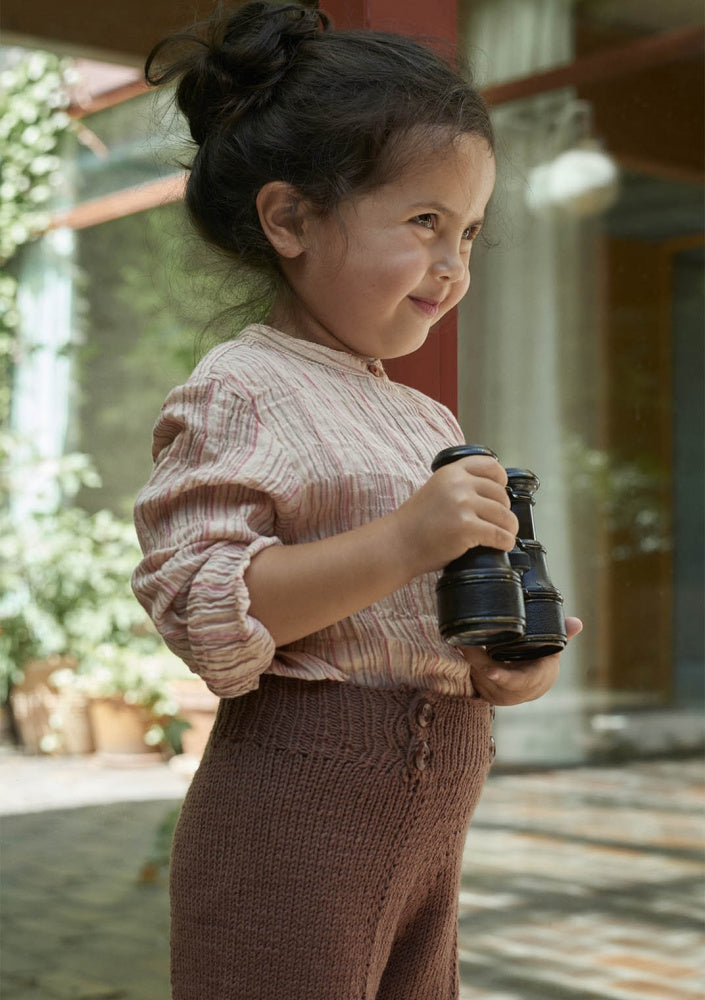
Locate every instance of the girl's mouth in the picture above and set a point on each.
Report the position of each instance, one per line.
(427, 307)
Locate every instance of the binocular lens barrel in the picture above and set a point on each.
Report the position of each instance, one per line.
(504, 601)
(545, 623)
(479, 594)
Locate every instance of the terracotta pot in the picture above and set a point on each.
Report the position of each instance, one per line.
(120, 729)
(49, 719)
(197, 706)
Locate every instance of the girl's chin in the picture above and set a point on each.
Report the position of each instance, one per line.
(403, 350)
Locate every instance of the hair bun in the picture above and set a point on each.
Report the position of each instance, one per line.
(233, 62)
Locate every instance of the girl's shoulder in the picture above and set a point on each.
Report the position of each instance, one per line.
(244, 358)
(232, 386)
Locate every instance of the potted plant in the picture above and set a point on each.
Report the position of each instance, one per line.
(130, 704)
(70, 627)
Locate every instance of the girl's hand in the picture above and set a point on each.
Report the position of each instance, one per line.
(500, 685)
(296, 590)
(463, 504)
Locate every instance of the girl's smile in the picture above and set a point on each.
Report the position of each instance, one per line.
(429, 308)
(373, 279)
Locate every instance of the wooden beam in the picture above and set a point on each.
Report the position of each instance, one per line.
(109, 99)
(121, 32)
(660, 169)
(122, 203)
(384, 15)
(645, 53)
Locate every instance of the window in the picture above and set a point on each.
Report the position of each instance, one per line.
(581, 352)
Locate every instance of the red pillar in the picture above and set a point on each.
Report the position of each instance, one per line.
(434, 368)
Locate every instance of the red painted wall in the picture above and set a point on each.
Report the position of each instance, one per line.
(414, 17)
(434, 368)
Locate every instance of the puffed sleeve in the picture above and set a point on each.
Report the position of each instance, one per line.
(219, 482)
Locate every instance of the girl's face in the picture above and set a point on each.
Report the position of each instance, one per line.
(375, 285)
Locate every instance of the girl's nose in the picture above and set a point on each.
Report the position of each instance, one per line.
(450, 265)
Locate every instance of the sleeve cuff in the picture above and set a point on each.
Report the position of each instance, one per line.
(229, 648)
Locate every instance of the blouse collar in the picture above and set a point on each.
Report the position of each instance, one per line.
(315, 352)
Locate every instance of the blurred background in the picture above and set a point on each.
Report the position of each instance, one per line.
(578, 353)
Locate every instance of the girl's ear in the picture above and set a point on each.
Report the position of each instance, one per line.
(281, 209)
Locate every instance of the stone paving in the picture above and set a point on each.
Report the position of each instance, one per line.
(583, 884)
(587, 884)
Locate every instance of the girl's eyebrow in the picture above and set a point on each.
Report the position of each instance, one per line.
(437, 206)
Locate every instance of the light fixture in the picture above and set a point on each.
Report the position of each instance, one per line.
(580, 180)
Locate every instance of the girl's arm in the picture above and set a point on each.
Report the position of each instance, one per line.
(298, 589)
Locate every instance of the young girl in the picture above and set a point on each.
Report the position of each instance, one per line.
(292, 531)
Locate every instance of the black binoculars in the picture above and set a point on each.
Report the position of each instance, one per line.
(503, 601)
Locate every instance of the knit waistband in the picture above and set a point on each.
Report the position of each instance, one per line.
(382, 726)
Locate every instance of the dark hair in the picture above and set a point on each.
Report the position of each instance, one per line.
(271, 92)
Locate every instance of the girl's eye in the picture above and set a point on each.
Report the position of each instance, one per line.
(427, 220)
(471, 232)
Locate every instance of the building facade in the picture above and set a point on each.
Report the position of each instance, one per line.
(578, 352)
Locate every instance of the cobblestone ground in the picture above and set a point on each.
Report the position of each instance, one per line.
(586, 885)
(582, 884)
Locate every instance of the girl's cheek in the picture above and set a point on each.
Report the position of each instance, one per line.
(462, 288)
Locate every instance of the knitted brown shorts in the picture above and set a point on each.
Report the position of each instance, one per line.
(317, 856)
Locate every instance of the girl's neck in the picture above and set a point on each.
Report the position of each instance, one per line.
(287, 315)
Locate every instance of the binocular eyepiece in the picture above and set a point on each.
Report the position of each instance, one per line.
(503, 601)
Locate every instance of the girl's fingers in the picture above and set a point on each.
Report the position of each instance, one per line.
(513, 686)
(484, 466)
(521, 682)
(494, 537)
(493, 513)
(573, 626)
(489, 490)
(520, 678)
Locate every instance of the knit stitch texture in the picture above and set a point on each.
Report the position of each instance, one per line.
(318, 852)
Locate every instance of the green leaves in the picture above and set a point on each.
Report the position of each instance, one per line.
(34, 93)
(65, 589)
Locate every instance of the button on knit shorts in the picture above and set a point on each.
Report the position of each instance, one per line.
(318, 851)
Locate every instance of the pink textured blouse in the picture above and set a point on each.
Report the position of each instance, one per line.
(275, 441)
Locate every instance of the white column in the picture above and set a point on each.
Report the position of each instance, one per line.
(516, 325)
(41, 400)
